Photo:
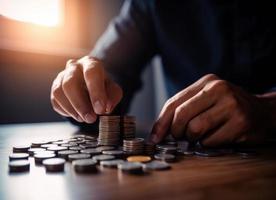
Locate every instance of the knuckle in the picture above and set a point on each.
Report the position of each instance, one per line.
(56, 92)
(170, 104)
(242, 122)
(68, 82)
(178, 114)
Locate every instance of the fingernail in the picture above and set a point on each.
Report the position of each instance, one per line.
(89, 118)
(108, 108)
(98, 107)
(79, 119)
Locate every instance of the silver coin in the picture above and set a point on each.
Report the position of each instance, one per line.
(78, 156)
(19, 166)
(156, 165)
(165, 157)
(54, 164)
(99, 158)
(32, 151)
(85, 166)
(131, 167)
(21, 148)
(18, 156)
(208, 152)
(111, 163)
(64, 154)
(39, 157)
(92, 151)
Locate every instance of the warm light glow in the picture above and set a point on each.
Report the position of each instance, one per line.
(41, 12)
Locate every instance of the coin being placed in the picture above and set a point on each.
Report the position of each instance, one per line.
(165, 157)
(156, 165)
(19, 166)
(64, 154)
(32, 151)
(21, 148)
(78, 156)
(111, 163)
(100, 158)
(54, 164)
(131, 167)
(39, 157)
(85, 166)
(18, 156)
(142, 159)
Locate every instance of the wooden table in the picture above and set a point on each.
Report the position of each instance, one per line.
(227, 177)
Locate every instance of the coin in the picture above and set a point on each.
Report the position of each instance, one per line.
(165, 157)
(19, 166)
(38, 143)
(76, 148)
(32, 151)
(64, 154)
(156, 165)
(21, 148)
(48, 145)
(208, 152)
(131, 167)
(85, 166)
(139, 159)
(133, 146)
(116, 153)
(39, 157)
(99, 158)
(54, 164)
(57, 149)
(92, 151)
(78, 156)
(111, 163)
(18, 156)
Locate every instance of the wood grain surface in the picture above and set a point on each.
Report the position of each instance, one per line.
(225, 177)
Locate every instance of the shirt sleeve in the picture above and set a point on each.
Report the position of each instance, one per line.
(126, 46)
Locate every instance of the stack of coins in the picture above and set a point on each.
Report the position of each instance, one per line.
(134, 146)
(128, 125)
(149, 148)
(109, 130)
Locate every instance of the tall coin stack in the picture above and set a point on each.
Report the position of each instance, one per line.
(134, 146)
(128, 127)
(109, 130)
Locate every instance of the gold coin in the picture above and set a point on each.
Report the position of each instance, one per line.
(139, 159)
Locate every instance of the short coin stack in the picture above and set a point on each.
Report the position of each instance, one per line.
(128, 127)
(134, 146)
(109, 130)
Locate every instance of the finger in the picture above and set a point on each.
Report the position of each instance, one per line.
(206, 121)
(74, 89)
(115, 95)
(59, 109)
(189, 109)
(223, 135)
(94, 77)
(61, 99)
(161, 126)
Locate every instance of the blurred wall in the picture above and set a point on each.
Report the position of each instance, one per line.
(27, 69)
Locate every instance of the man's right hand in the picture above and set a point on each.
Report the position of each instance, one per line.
(83, 90)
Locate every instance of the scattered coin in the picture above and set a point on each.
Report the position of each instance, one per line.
(18, 156)
(139, 159)
(39, 143)
(21, 148)
(131, 167)
(156, 165)
(116, 153)
(76, 148)
(85, 166)
(54, 164)
(165, 157)
(208, 152)
(57, 149)
(111, 163)
(64, 154)
(32, 151)
(100, 158)
(92, 151)
(78, 156)
(19, 166)
(39, 157)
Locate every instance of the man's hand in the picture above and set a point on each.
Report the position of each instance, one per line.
(83, 90)
(214, 112)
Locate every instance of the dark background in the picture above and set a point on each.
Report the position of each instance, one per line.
(32, 55)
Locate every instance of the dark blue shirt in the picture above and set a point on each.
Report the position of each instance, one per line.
(234, 39)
